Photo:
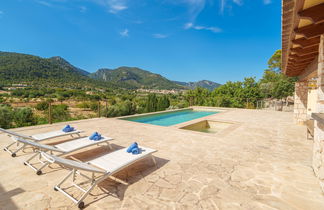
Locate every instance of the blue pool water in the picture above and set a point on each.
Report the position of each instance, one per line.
(170, 118)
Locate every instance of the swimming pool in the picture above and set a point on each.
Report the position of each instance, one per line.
(170, 118)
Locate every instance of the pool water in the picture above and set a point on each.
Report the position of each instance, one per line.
(171, 118)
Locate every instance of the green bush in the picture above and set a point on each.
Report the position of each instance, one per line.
(24, 117)
(83, 105)
(121, 109)
(88, 105)
(60, 113)
(41, 120)
(42, 106)
(94, 106)
(6, 117)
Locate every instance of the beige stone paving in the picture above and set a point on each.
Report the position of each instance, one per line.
(264, 162)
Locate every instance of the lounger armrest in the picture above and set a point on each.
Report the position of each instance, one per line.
(71, 163)
(11, 133)
(39, 146)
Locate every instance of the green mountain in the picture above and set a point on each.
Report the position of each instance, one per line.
(18, 68)
(131, 77)
(65, 64)
(203, 83)
(57, 72)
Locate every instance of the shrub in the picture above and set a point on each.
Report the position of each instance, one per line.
(24, 117)
(121, 109)
(94, 106)
(88, 105)
(42, 106)
(6, 117)
(60, 113)
(83, 105)
(41, 120)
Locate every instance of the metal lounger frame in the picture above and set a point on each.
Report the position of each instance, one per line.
(39, 148)
(93, 180)
(15, 136)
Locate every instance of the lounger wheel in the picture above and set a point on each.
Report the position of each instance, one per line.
(13, 155)
(25, 163)
(55, 189)
(81, 205)
(39, 172)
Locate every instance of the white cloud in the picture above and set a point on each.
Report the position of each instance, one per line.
(188, 25)
(113, 6)
(214, 29)
(195, 7)
(267, 2)
(124, 33)
(160, 36)
(238, 2)
(199, 27)
(226, 4)
(45, 3)
(222, 6)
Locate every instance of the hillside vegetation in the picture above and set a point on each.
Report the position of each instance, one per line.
(57, 72)
(131, 77)
(203, 84)
(17, 68)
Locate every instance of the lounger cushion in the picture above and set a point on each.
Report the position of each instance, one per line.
(53, 134)
(80, 143)
(119, 159)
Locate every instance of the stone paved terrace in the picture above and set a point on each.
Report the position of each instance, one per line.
(263, 162)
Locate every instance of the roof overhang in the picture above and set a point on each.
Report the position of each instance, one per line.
(302, 25)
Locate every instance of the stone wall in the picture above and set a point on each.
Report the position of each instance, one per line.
(300, 105)
(318, 148)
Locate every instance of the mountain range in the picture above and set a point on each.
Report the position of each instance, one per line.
(56, 71)
(203, 83)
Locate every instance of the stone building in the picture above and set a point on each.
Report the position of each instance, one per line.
(303, 56)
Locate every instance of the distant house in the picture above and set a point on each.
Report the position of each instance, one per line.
(17, 86)
(303, 57)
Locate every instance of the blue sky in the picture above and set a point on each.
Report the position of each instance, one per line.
(184, 40)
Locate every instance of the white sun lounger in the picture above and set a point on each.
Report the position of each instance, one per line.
(60, 149)
(101, 168)
(36, 138)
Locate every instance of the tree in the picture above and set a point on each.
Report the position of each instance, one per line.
(274, 63)
(274, 84)
(151, 103)
(163, 103)
(251, 92)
